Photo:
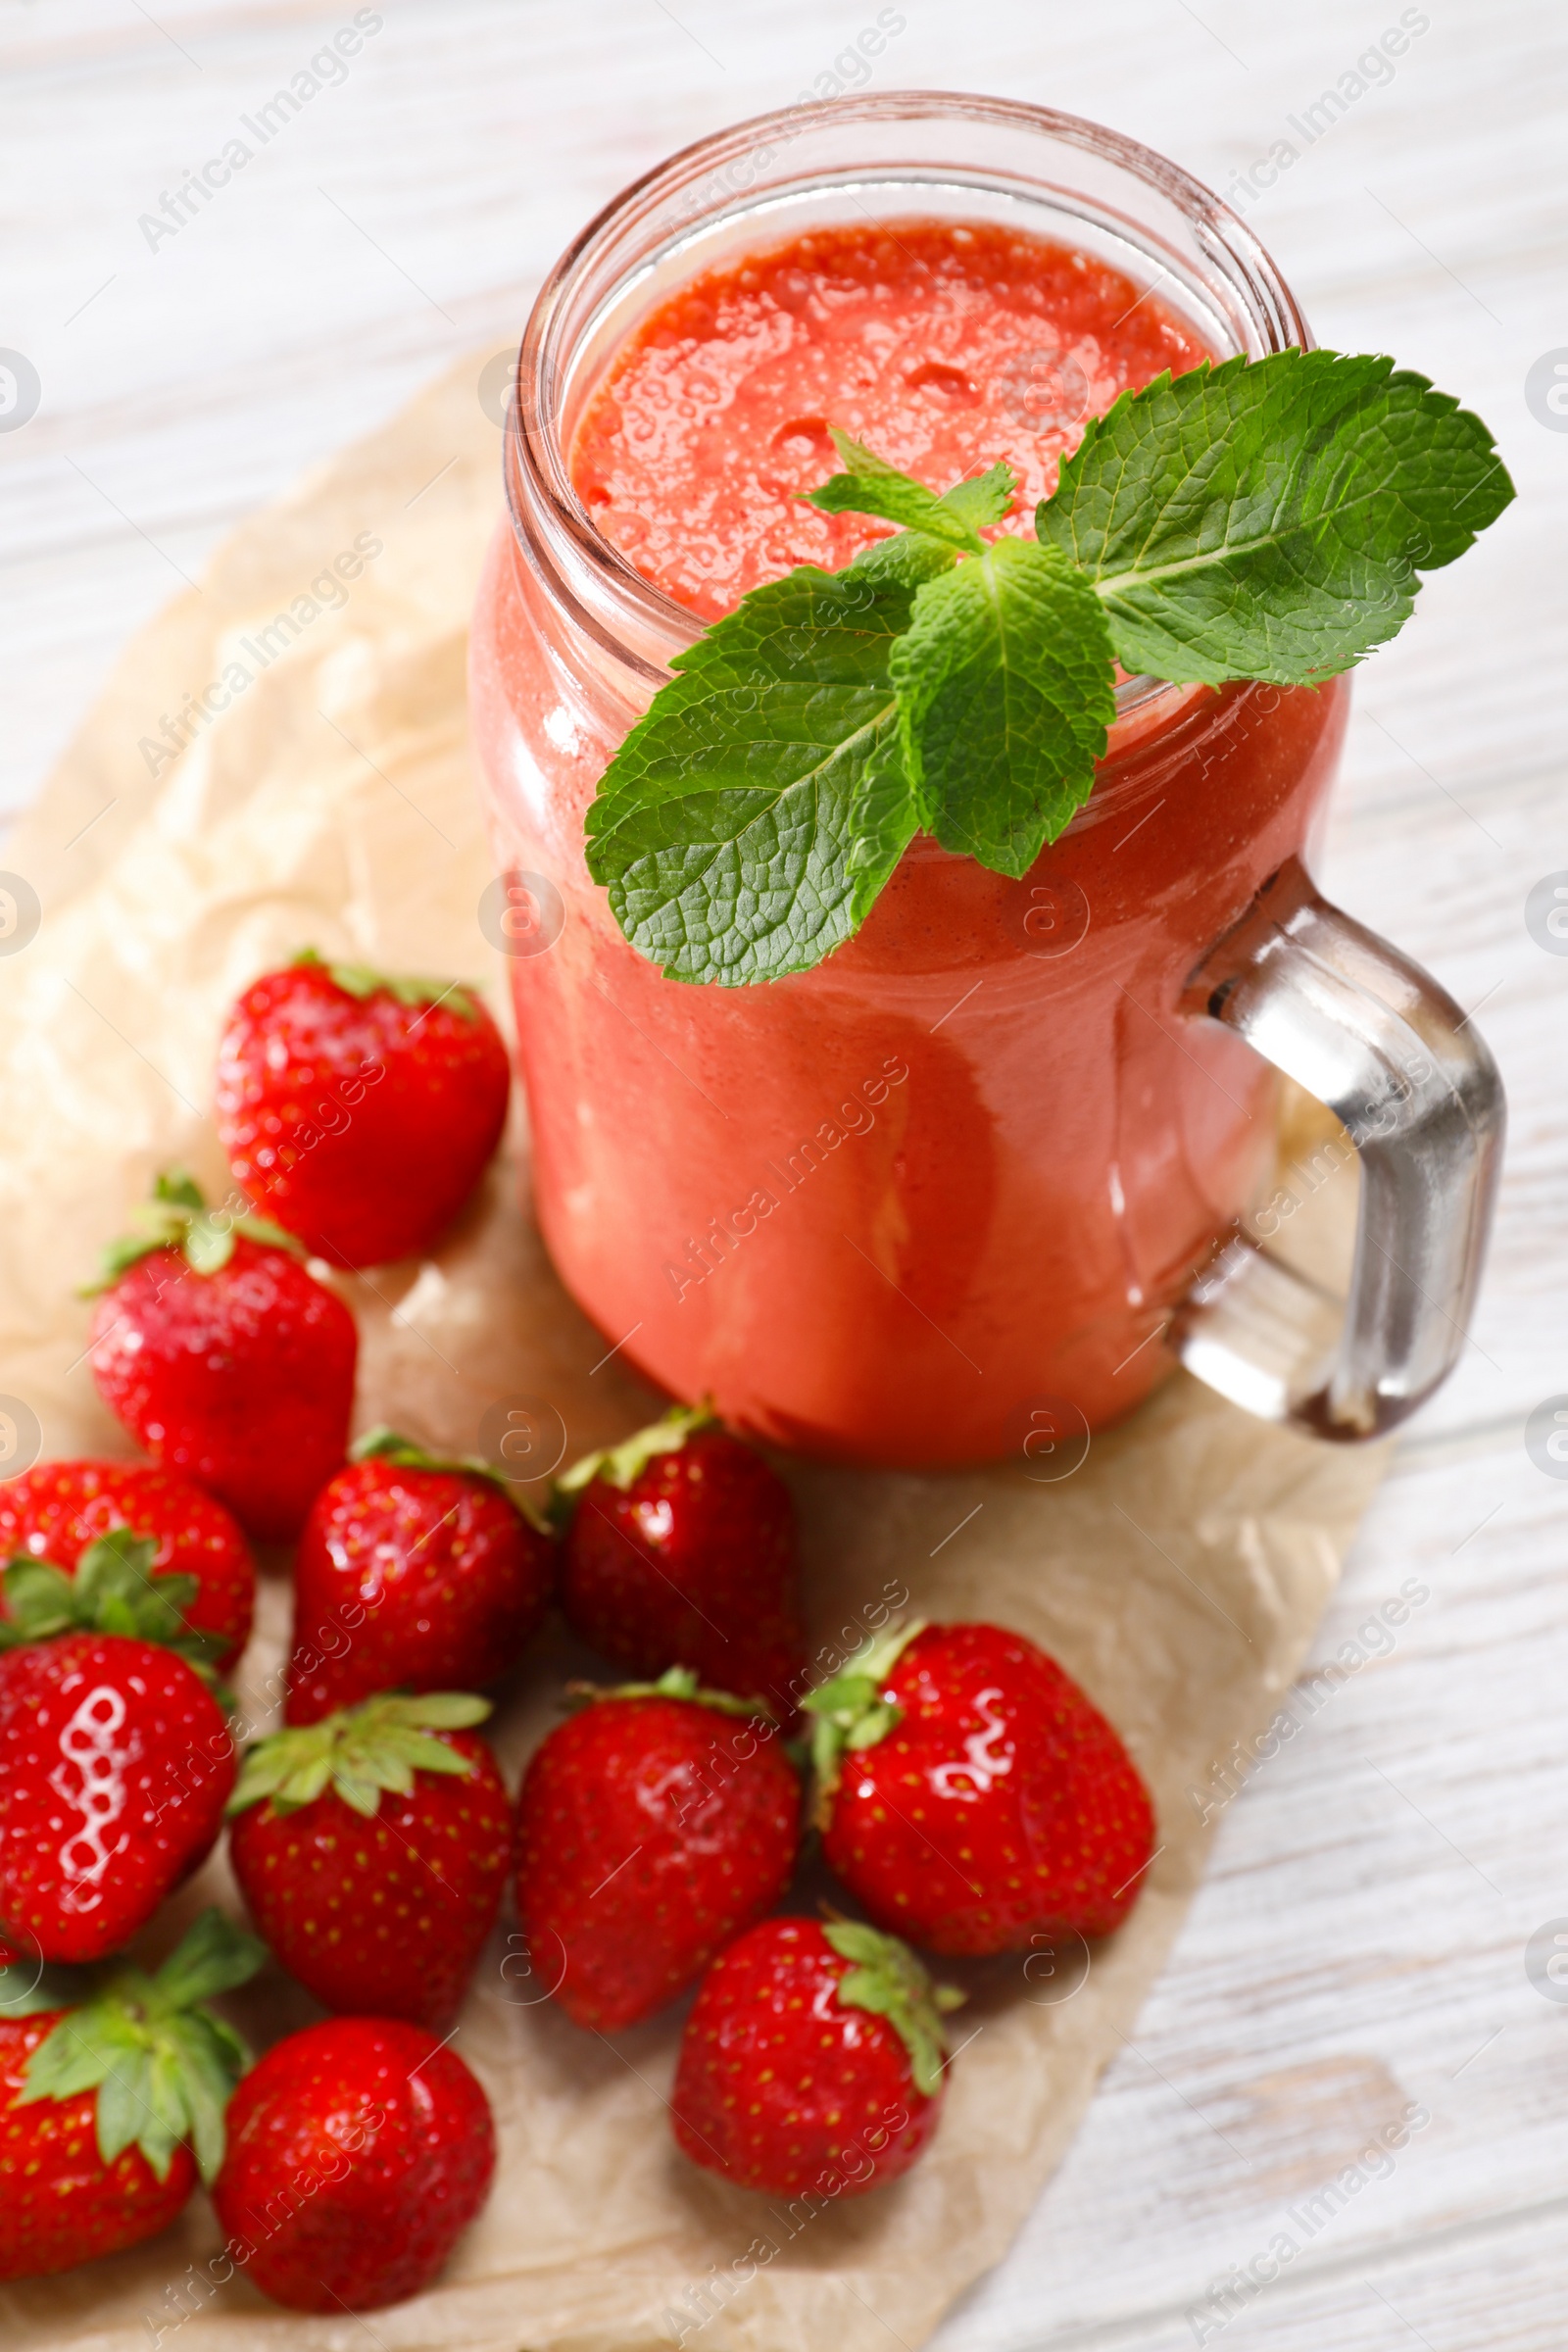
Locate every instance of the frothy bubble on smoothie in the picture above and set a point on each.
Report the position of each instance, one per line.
(943, 346)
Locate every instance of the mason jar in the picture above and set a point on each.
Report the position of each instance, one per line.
(975, 1184)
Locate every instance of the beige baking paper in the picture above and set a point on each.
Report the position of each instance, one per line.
(1178, 1573)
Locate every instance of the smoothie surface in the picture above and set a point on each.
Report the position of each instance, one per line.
(945, 346)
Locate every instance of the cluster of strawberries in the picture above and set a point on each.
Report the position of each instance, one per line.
(966, 1794)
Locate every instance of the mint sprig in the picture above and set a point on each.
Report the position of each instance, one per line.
(1006, 695)
(1270, 520)
(720, 826)
(1264, 519)
(869, 485)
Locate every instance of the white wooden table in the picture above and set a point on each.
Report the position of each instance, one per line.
(1360, 1945)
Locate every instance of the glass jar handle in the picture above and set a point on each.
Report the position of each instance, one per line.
(1376, 1039)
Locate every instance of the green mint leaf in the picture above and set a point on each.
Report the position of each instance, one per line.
(884, 817)
(861, 461)
(1005, 693)
(871, 486)
(896, 498)
(1270, 518)
(722, 827)
(906, 560)
(985, 498)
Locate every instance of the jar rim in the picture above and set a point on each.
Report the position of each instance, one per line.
(639, 626)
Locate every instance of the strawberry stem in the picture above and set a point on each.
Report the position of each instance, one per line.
(676, 1682)
(110, 1592)
(853, 1711)
(359, 1752)
(385, 1445)
(177, 1217)
(888, 1979)
(620, 1465)
(358, 980)
(164, 2065)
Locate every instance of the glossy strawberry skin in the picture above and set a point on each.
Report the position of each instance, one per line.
(649, 1831)
(692, 1564)
(782, 2089)
(407, 1101)
(1003, 1779)
(395, 2137)
(55, 1510)
(242, 1379)
(63, 2205)
(416, 1580)
(385, 1915)
(115, 1767)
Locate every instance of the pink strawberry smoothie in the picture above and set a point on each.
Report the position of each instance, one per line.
(934, 1201)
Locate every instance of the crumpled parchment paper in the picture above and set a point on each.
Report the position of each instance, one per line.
(248, 784)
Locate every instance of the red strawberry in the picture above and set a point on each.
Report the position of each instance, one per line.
(412, 1573)
(115, 1766)
(223, 1356)
(359, 2151)
(372, 1849)
(681, 1552)
(653, 1827)
(361, 1110)
(108, 2111)
(970, 1794)
(57, 1510)
(812, 2058)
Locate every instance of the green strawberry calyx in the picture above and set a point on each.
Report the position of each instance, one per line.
(111, 1592)
(358, 980)
(359, 1752)
(162, 2064)
(678, 1681)
(28, 1989)
(621, 1465)
(887, 1978)
(852, 1710)
(177, 1217)
(386, 1444)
